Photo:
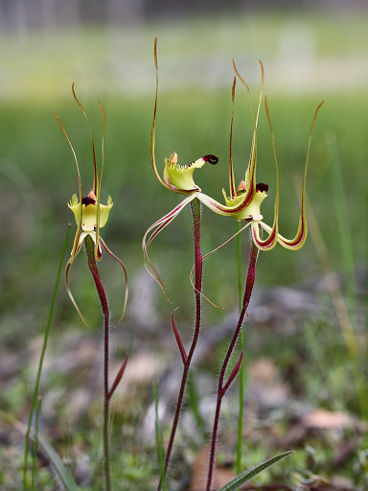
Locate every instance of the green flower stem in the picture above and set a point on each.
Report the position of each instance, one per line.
(239, 449)
(43, 351)
(90, 251)
(196, 214)
(35, 445)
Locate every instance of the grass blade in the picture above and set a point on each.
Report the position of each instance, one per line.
(35, 445)
(249, 474)
(61, 472)
(158, 434)
(44, 346)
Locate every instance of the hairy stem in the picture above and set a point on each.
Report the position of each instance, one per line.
(221, 389)
(196, 214)
(40, 365)
(106, 315)
(239, 448)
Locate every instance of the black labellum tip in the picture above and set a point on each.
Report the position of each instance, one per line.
(212, 159)
(87, 200)
(261, 186)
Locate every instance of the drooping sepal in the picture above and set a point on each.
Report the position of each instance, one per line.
(67, 286)
(153, 231)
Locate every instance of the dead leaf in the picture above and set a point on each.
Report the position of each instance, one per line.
(323, 419)
(221, 476)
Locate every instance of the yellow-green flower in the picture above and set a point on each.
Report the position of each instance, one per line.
(86, 219)
(90, 215)
(244, 203)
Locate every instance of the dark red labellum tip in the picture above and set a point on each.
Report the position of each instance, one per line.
(261, 186)
(212, 159)
(87, 200)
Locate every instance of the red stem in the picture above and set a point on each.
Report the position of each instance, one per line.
(221, 388)
(196, 213)
(106, 314)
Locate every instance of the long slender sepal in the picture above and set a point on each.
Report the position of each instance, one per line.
(76, 243)
(153, 231)
(209, 254)
(76, 240)
(122, 265)
(231, 167)
(99, 182)
(250, 175)
(153, 158)
(301, 235)
(95, 176)
(270, 242)
(67, 286)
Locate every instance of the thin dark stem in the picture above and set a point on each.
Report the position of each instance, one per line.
(220, 395)
(106, 315)
(239, 448)
(196, 213)
(106, 406)
(222, 388)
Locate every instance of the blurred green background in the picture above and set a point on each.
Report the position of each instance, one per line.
(309, 55)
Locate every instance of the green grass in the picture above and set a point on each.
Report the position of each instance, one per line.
(39, 178)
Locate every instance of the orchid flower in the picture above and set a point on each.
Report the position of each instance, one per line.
(177, 178)
(90, 215)
(180, 179)
(244, 202)
(250, 212)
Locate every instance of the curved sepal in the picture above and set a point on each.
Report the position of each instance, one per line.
(270, 242)
(267, 244)
(67, 269)
(122, 265)
(210, 254)
(300, 237)
(153, 231)
(153, 157)
(250, 174)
